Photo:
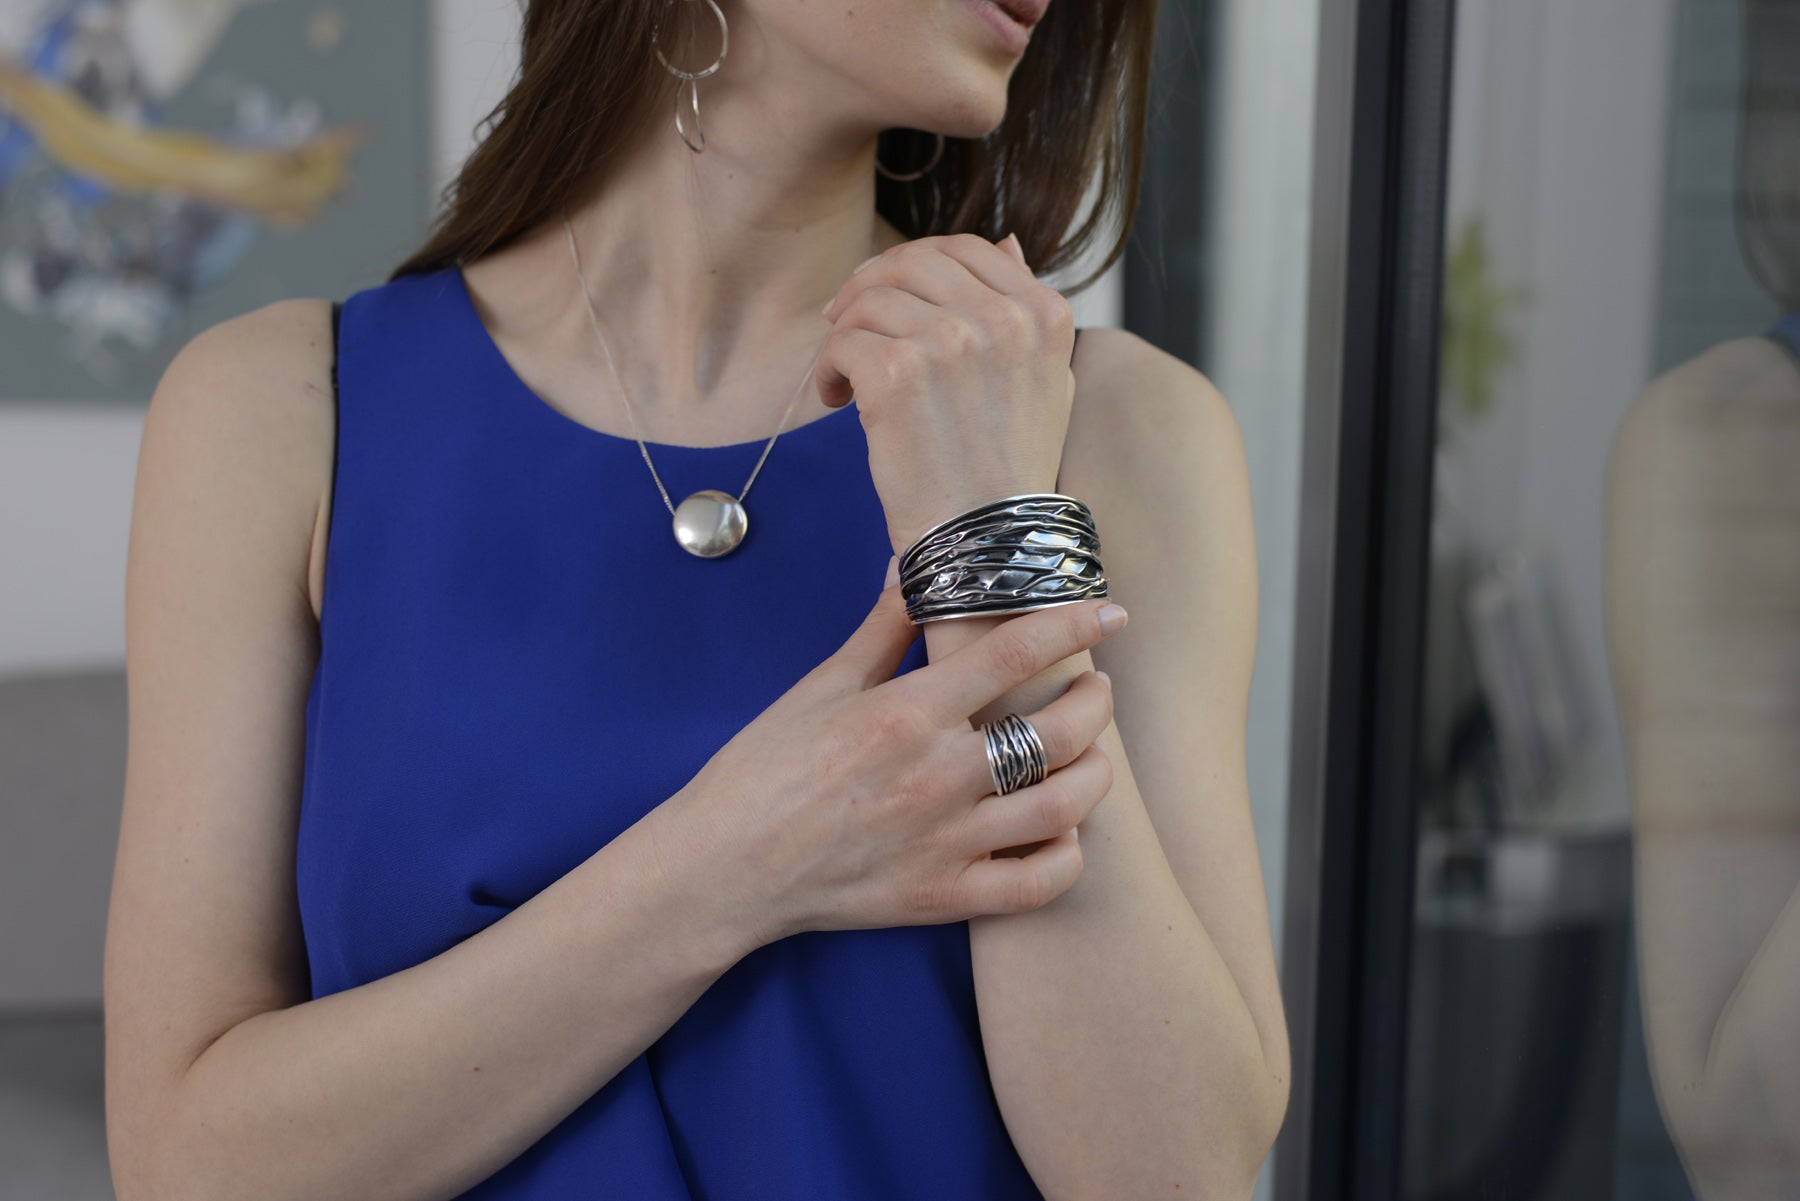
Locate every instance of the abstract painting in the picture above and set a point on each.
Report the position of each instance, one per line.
(166, 164)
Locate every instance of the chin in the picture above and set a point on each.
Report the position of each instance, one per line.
(968, 99)
(938, 70)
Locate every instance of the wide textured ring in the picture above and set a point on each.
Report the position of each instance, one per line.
(1015, 754)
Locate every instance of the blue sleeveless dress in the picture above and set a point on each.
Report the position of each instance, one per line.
(517, 663)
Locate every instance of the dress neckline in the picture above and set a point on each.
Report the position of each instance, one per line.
(490, 351)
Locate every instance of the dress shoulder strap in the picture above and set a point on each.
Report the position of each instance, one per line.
(337, 418)
(1786, 333)
(337, 310)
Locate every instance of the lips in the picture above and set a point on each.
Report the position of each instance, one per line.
(1025, 12)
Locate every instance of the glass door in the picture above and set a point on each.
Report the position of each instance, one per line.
(1557, 910)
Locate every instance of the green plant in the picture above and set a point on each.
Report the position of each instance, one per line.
(1477, 344)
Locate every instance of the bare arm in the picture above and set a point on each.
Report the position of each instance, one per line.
(1703, 587)
(1154, 976)
(424, 1083)
(224, 1078)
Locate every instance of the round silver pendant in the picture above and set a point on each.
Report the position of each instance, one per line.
(710, 523)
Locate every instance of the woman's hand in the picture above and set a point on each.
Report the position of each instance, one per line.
(862, 800)
(959, 360)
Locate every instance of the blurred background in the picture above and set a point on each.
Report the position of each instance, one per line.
(1505, 295)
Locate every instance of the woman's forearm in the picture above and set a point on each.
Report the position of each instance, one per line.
(1124, 1057)
(421, 1084)
(1746, 1119)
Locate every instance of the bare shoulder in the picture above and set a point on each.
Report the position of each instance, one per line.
(1723, 427)
(1744, 385)
(1137, 406)
(1701, 509)
(272, 357)
(248, 403)
(255, 387)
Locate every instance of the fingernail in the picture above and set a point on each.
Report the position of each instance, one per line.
(827, 307)
(1105, 677)
(893, 571)
(1075, 833)
(1112, 618)
(865, 263)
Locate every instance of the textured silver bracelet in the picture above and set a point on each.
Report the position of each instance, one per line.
(1031, 551)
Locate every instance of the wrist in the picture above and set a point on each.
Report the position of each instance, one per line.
(970, 498)
(1002, 558)
(723, 899)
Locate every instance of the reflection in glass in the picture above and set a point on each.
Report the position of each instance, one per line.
(1703, 587)
(1604, 986)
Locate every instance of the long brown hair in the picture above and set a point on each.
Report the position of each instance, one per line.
(587, 79)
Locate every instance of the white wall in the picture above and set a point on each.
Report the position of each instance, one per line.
(1560, 138)
(1261, 214)
(1263, 131)
(66, 474)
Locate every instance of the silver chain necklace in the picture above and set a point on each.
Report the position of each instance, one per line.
(710, 523)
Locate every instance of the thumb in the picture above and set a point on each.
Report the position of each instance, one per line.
(873, 652)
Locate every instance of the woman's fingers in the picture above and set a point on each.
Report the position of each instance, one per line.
(910, 290)
(1019, 883)
(929, 267)
(1078, 774)
(1066, 726)
(936, 278)
(890, 314)
(975, 675)
(1052, 807)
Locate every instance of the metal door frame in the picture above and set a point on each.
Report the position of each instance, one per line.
(1376, 265)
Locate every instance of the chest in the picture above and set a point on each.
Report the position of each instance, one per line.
(518, 662)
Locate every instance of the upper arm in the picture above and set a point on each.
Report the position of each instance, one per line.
(1702, 580)
(202, 927)
(1155, 451)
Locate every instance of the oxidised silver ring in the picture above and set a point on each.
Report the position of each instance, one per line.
(1015, 754)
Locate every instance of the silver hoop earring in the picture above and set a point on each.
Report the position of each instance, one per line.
(690, 79)
(936, 154)
(912, 200)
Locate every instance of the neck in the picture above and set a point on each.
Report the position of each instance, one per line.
(707, 271)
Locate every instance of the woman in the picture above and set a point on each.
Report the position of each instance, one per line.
(576, 834)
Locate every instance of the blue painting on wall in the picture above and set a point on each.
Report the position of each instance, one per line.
(166, 164)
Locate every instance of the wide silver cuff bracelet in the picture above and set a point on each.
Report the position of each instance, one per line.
(1031, 551)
